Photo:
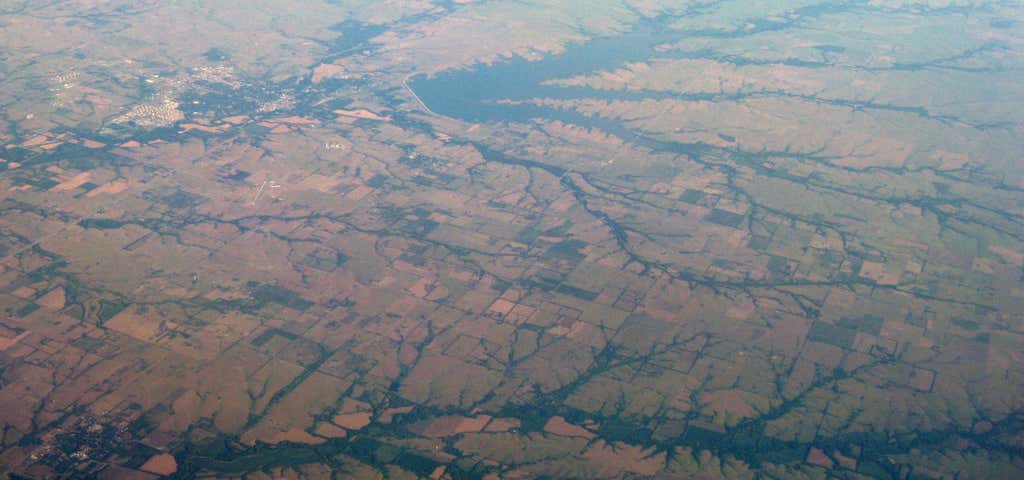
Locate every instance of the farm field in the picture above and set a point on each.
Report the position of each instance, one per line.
(611, 239)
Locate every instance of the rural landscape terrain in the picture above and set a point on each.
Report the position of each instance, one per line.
(457, 239)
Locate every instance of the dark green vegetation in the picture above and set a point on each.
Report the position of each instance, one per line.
(516, 240)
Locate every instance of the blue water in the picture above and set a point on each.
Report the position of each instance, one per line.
(471, 94)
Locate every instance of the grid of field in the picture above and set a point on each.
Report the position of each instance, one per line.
(252, 240)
